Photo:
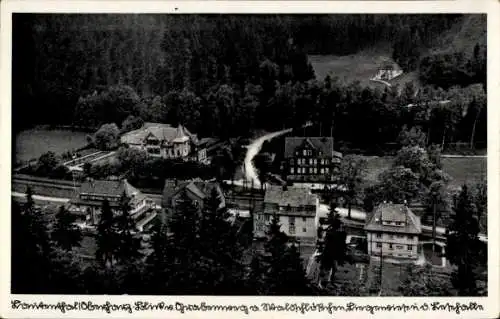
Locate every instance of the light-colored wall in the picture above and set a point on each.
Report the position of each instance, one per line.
(399, 243)
(301, 222)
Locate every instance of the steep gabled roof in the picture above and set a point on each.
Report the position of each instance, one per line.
(393, 213)
(163, 132)
(323, 144)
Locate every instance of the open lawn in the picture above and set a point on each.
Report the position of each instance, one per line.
(468, 170)
(30, 144)
(357, 67)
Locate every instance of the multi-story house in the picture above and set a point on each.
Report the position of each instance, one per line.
(91, 195)
(393, 231)
(162, 140)
(296, 209)
(310, 159)
(196, 190)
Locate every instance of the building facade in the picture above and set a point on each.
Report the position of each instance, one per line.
(196, 190)
(162, 140)
(393, 231)
(310, 159)
(296, 209)
(91, 195)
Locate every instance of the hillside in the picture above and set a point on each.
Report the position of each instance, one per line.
(462, 36)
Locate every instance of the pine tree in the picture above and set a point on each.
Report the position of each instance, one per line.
(334, 246)
(65, 233)
(128, 249)
(463, 244)
(221, 248)
(158, 268)
(106, 237)
(30, 247)
(185, 247)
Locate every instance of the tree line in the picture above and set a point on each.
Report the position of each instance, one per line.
(198, 69)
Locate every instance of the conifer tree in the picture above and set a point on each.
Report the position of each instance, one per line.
(106, 237)
(129, 245)
(158, 268)
(333, 252)
(463, 245)
(65, 233)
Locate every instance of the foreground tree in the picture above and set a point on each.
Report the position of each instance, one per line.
(333, 250)
(424, 281)
(285, 273)
(352, 173)
(106, 238)
(463, 245)
(128, 244)
(65, 233)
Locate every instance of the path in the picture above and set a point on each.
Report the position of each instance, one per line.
(43, 198)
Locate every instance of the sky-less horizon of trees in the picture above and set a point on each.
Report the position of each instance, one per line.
(243, 71)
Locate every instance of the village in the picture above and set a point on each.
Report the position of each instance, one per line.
(218, 164)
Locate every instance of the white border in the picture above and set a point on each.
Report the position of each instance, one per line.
(491, 7)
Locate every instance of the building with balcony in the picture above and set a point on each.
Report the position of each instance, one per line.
(296, 209)
(91, 195)
(162, 140)
(393, 230)
(310, 159)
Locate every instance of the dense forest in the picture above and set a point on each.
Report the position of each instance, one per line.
(229, 75)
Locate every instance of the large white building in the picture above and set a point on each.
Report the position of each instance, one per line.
(393, 231)
(296, 208)
(162, 140)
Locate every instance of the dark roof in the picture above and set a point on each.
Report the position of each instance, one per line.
(293, 196)
(323, 144)
(393, 213)
(108, 188)
(201, 188)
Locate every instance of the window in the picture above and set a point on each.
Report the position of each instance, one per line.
(291, 229)
(379, 235)
(304, 230)
(315, 161)
(305, 153)
(327, 170)
(410, 247)
(267, 217)
(310, 170)
(326, 162)
(390, 246)
(322, 170)
(379, 245)
(291, 220)
(292, 170)
(310, 161)
(315, 170)
(291, 161)
(304, 219)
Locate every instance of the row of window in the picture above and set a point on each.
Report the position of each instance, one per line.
(291, 219)
(310, 170)
(391, 236)
(306, 152)
(391, 246)
(99, 198)
(312, 161)
(393, 223)
(291, 229)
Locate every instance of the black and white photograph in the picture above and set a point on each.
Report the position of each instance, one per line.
(269, 154)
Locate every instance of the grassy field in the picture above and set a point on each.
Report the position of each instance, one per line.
(357, 67)
(468, 170)
(30, 144)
